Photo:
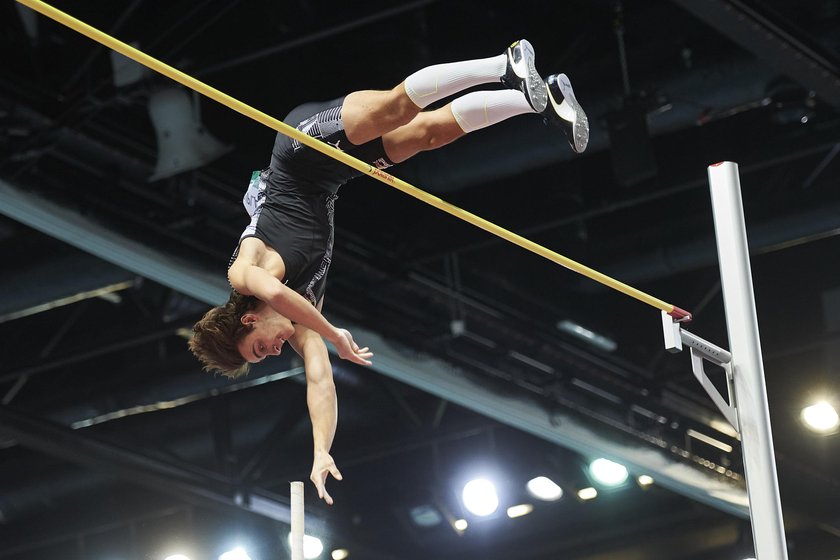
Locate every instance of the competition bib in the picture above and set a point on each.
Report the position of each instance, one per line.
(255, 195)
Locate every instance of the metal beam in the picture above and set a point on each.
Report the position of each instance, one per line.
(528, 414)
(424, 372)
(74, 229)
(160, 473)
(781, 233)
(771, 41)
(184, 480)
(61, 280)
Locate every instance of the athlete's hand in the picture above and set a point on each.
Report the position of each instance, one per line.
(322, 466)
(349, 350)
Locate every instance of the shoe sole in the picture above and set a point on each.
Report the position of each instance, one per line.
(534, 85)
(580, 126)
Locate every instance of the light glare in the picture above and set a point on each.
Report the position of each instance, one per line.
(237, 553)
(425, 516)
(480, 497)
(593, 338)
(820, 417)
(340, 554)
(461, 524)
(519, 510)
(312, 546)
(177, 557)
(644, 480)
(587, 493)
(543, 488)
(607, 472)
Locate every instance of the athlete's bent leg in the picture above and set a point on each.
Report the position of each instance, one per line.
(427, 131)
(369, 114)
(470, 112)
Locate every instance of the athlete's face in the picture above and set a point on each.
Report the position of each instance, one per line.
(270, 331)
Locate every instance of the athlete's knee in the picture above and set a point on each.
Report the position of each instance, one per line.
(433, 138)
(370, 114)
(437, 132)
(427, 137)
(400, 108)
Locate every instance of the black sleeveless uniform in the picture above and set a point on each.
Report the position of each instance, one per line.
(292, 203)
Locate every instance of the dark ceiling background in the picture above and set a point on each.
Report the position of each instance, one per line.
(115, 445)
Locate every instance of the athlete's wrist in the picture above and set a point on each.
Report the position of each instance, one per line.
(334, 335)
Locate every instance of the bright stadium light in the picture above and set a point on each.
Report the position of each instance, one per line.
(543, 488)
(586, 494)
(607, 472)
(480, 497)
(460, 524)
(177, 557)
(340, 554)
(644, 480)
(312, 546)
(519, 510)
(237, 553)
(821, 417)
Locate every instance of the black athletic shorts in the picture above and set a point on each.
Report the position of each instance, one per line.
(298, 165)
(295, 211)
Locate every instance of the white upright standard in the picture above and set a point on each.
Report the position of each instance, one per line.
(748, 371)
(297, 520)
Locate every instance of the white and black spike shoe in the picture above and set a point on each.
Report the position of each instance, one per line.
(521, 74)
(564, 111)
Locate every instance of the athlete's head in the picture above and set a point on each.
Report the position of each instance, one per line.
(231, 337)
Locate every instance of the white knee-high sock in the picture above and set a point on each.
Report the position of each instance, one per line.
(442, 80)
(479, 109)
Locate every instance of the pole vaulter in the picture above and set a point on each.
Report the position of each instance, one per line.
(746, 407)
(388, 179)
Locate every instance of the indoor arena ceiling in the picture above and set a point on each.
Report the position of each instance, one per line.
(113, 443)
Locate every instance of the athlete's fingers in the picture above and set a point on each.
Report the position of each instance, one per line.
(361, 360)
(319, 485)
(335, 472)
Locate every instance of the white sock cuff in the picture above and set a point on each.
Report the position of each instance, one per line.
(436, 82)
(480, 109)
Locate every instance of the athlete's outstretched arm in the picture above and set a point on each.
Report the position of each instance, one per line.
(323, 405)
(248, 279)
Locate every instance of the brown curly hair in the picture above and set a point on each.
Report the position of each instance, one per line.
(216, 335)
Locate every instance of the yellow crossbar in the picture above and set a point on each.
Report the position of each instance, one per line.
(279, 126)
